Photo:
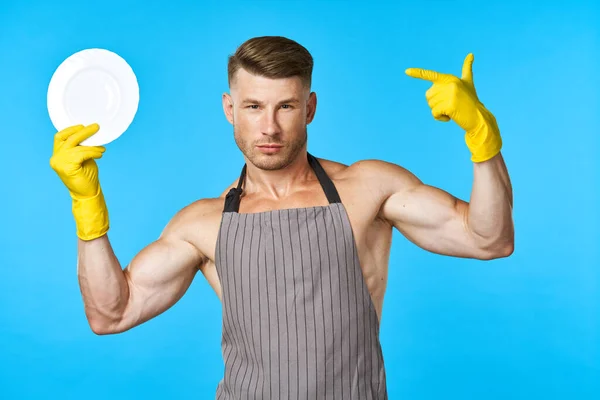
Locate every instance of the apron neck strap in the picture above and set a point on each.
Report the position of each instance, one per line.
(232, 199)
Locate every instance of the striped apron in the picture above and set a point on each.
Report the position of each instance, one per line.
(298, 320)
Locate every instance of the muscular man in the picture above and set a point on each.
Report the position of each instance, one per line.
(297, 247)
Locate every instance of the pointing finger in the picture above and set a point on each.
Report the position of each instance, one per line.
(428, 75)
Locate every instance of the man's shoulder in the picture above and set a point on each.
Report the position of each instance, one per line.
(199, 212)
(371, 169)
(380, 177)
(356, 169)
(203, 207)
(195, 223)
(331, 167)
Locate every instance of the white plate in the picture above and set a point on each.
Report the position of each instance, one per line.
(94, 86)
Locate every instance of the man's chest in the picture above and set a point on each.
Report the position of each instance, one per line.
(369, 235)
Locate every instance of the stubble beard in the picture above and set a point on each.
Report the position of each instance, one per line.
(271, 162)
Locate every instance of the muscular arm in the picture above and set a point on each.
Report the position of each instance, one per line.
(439, 222)
(116, 300)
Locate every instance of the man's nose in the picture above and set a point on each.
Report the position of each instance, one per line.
(269, 124)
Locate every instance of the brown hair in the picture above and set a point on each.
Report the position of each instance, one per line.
(272, 57)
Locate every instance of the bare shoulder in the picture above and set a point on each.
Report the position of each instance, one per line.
(380, 177)
(365, 185)
(197, 224)
(192, 214)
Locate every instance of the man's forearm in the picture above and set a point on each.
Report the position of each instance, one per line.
(103, 285)
(490, 207)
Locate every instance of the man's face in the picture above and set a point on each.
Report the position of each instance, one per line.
(267, 111)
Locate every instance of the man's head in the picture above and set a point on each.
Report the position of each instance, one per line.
(270, 101)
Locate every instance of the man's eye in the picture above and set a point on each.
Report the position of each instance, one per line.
(256, 106)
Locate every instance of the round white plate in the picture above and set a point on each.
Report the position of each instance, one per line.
(94, 86)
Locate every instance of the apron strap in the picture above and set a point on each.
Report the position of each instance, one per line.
(232, 199)
(326, 183)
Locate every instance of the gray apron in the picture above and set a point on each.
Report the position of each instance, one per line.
(298, 320)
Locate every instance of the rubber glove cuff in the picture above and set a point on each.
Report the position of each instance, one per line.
(484, 141)
(91, 216)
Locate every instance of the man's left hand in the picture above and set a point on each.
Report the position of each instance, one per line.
(455, 98)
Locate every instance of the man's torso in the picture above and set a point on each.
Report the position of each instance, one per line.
(360, 198)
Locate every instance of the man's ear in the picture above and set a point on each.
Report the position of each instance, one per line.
(228, 107)
(311, 107)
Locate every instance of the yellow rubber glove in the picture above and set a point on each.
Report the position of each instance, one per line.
(77, 169)
(455, 98)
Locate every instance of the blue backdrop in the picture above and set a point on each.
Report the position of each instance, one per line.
(525, 327)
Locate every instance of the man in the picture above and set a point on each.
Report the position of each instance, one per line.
(297, 248)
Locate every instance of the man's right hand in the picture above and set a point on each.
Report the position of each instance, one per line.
(77, 169)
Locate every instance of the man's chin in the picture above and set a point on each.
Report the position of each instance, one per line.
(270, 162)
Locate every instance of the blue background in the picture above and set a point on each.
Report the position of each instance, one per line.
(525, 327)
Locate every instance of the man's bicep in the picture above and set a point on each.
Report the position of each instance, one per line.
(430, 217)
(162, 265)
(159, 275)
